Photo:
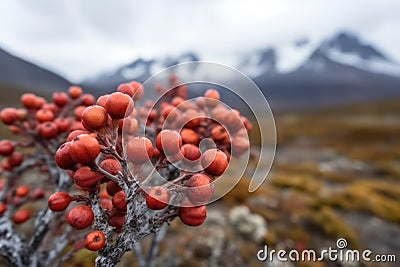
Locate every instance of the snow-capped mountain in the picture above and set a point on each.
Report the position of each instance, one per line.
(344, 48)
(303, 73)
(140, 69)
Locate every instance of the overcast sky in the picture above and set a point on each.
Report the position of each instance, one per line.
(81, 38)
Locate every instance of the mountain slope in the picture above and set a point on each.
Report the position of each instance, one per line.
(304, 73)
(23, 75)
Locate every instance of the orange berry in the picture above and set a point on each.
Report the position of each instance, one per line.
(59, 201)
(214, 161)
(21, 216)
(86, 178)
(8, 116)
(75, 133)
(87, 100)
(169, 142)
(6, 147)
(22, 191)
(157, 198)
(31, 101)
(95, 240)
(240, 145)
(60, 99)
(190, 215)
(101, 101)
(111, 166)
(189, 136)
(78, 112)
(138, 88)
(192, 153)
(200, 188)
(94, 117)
(126, 88)
(139, 150)
(48, 130)
(80, 217)
(212, 97)
(62, 124)
(84, 148)
(119, 200)
(219, 133)
(119, 105)
(74, 92)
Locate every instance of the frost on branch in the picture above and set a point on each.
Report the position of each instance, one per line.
(111, 171)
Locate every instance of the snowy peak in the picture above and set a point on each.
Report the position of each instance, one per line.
(142, 68)
(259, 63)
(350, 44)
(349, 50)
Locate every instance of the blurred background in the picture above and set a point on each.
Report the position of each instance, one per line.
(330, 71)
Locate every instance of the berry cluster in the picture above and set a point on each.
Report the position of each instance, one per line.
(133, 167)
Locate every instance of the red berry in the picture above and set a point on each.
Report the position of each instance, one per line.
(200, 188)
(75, 133)
(38, 193)
(84, 149)
(74, 92)
(60, 99)
(119, 200)
(189, 136)
(78, 112)
(15, 159)
(105, 203)
(63, 157)
(43, 115)
(87, 100)
(86, 178)
(138, 90)
(232, 121)
(111, 166)
(8, 116)
(157, 198)
(139, 150)
(48, 130)
(212, 97)
(6, 148)
(119, 105)
(62, 124)
(80, 217)
(31, 101)
(190, 215)
(169, 142)
(240, 145)
(21, 216)
(126, 88)
(3, 208)
(214, 161)
(77, 125)
(112, 188)
(59, 201)
(192, 153)
(219, 133)
(101, 101)
(117, 221)
(22, 191)
(95, 240)
(94, 117)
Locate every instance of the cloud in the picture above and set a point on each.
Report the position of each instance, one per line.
(79, 39)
